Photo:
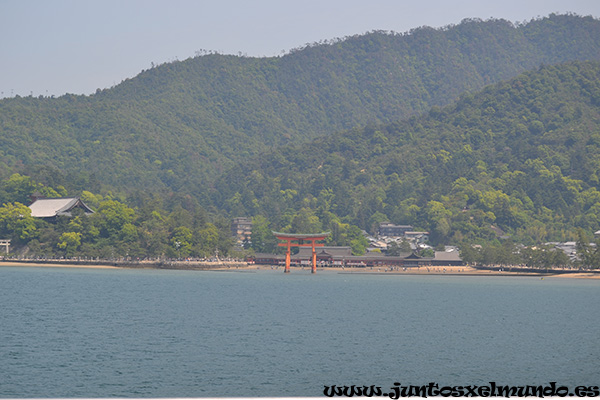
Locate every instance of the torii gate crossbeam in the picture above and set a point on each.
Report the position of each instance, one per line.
(300, 240)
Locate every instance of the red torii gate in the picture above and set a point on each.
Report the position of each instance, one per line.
(300, 240)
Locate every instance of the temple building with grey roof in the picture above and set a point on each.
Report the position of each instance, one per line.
(62, 206)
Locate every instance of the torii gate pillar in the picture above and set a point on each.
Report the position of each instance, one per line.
(300, 240)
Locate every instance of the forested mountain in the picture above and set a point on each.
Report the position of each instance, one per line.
(520, 158)
(177, 126)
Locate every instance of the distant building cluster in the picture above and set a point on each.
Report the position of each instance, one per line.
(389, 229)
(241, 229)
(341, 256)
(569, 248)
(389, 233)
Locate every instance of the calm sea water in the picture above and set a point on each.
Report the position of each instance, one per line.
(68, 332)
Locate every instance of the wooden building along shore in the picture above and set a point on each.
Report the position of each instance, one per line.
(342, 257)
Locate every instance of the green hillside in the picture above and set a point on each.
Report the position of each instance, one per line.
(175, 127)
(520, 158)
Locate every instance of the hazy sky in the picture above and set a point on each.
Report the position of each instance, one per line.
(52, 47)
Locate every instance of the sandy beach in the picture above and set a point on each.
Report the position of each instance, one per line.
(215, 266)
(52, 265)
(141, 264)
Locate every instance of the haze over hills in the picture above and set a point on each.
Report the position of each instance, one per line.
(177, 126)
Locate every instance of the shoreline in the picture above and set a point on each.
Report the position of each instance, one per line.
(179, 265)
(458, 271)
(243, 266)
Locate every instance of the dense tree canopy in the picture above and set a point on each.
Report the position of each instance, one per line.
(175, 127)
(519, 159)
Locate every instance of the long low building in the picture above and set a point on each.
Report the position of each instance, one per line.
(342, 256)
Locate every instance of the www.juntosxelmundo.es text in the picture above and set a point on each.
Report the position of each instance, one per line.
(433, 389)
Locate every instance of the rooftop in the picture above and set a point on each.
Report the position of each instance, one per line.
(47, 208)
